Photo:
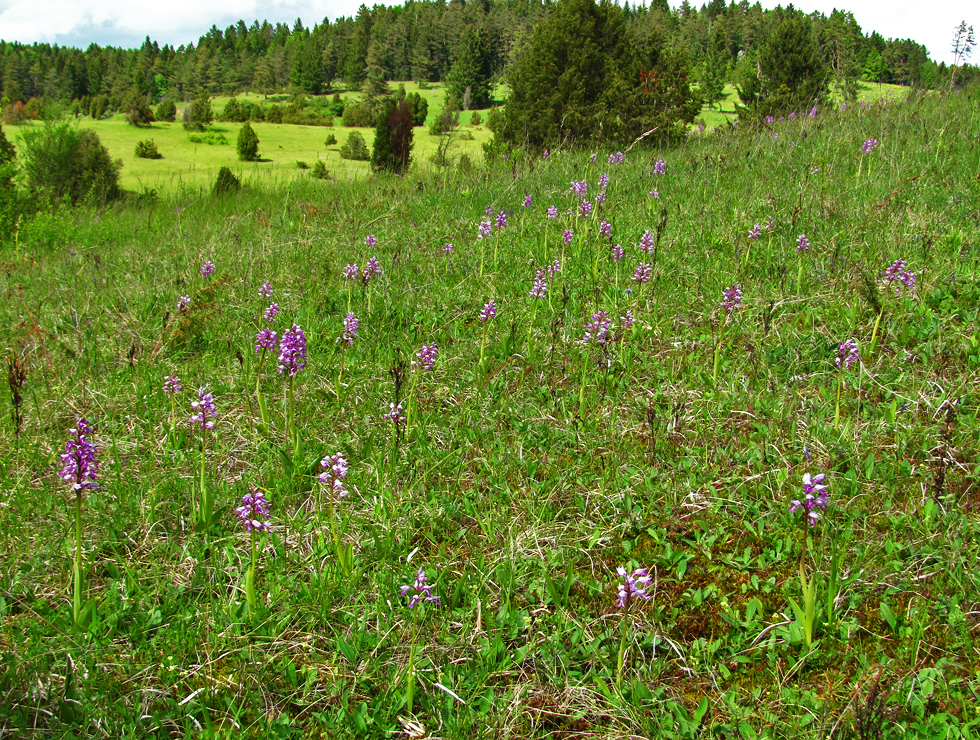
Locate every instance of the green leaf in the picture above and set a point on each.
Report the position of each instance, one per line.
(347, 650)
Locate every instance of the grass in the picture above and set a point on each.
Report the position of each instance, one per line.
(522, 483)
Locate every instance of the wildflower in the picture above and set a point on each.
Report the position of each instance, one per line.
(792, 115)
(351, 272)
(265, 290)
(371, 270)
(701, 128)
(540, 287)
(815, 170)
(554, 268)
(772, 224)
(183, 303)
(646, 242)
(448, 249)
(567, 235)
(600, 198)
(207, 268)
(420, 591)
(489, 311)
(592, 158)
(802, 243)
(488, 210)
(605, 228)
(616, 158)
(627, 321)
(843, 107)
(292, 351)
(351, 325)
(396, 414)
(370, 240)
(427, 357)
(81, 464)
(204, 411)
(660, 168)
(814, 497)
(484, 230)
(899, 272)
(584, 208)
(579, 188)
(770, 119)
(597, 329)
(603, 181)
(869, 146)
(654, 193)
(334, 472)
(632, 586)
(552, 213)
(847, 353)
(527, 201)
(617, 252)
(501, 220)
(731, 299)
(547, 154)
(172, 385)
(813, 112)
(266, 339)
(254, 511)
(756, 232)
(271, 312)
(643, 273)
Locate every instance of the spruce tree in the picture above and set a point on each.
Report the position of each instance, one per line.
(392, 150)
(247, 144)
(472, 70)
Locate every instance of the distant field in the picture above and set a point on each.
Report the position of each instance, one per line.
(186, 164)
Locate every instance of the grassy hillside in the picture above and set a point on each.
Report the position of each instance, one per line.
(793, 307)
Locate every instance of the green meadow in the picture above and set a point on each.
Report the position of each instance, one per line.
(662, 443)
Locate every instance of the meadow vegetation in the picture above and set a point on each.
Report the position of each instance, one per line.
(531, 450)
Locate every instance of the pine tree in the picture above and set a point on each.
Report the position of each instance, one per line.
(247, 144)
(392, 150)
(472, 70)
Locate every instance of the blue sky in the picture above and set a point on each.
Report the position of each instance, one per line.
(126, 22)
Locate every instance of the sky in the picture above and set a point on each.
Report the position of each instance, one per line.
(125, 23)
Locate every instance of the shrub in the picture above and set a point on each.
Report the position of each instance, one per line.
(147, 150)
(69, 163)
(301, 165)
(355, 148)
(274, 114)
(210, 138)
(226, 182)
(166, 111)
(320, 171)
(359, 115)
(247, 144)
(331, 140)
(136, 108)
(476, 119)
(198, 115)
(234, 112)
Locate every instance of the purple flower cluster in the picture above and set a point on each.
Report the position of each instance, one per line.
(654, 193)
(420, 591)
(265, 290)
(584, 208)
(484, 230)
(627, 321)
(448, 249)
(254, 511)
(869, 146)
(426, 357)
(271, 312)
(813, 112)
(172, 385)
(370, 241)
(756, 232)
(552, 212)
(183, 303)
(81, 464)
(292, 351)
(898, 272)
(597, 329)
(204, 410)
(643, 273)
(351, 272)
(371, 270)
(814, 497)
(334, 472)
(605, 229)
(847, 353)
(396, 414)
(772, 223)
(489, 311)
(660, 168)
(603, 181)
(351, 325)
(616, 158)
(527, 202)
(540, 287)
(617, 252)
(546, 155)
(731, 299)
(567, 235)
(600, 197)
(632, 587)
(647, 242)
(266, 339)
(802, 243)
(580, 188)
(207, 268)
(501, 221)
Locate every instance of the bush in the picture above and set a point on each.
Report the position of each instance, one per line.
(274, 114)
(136, 108)
(234, 112)
(301, 165)
(166, 111)
(247, 144)
(226, 182)
(359, 115)
(476, 119)
(210, 138)
(198, 115)
(331, 140)
(69, 163)
(355, 148)
(147, 150)
(320, 171)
